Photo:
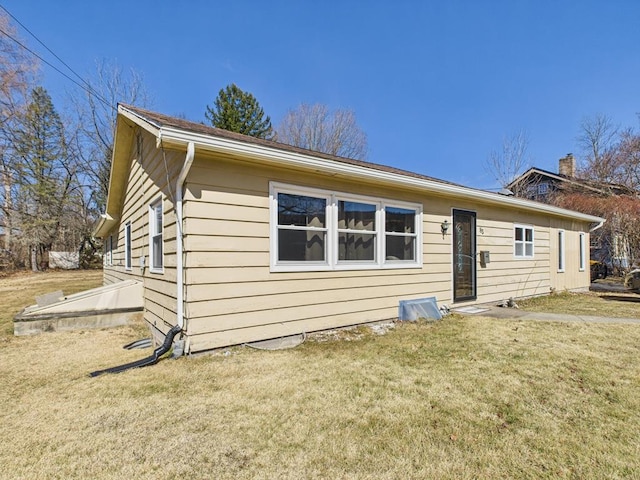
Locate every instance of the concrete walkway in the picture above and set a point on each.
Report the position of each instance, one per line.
(517, 314)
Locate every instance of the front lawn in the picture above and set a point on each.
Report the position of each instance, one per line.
(466, 397)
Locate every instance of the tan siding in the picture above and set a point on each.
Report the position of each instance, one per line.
(279, 315)
(147, 181)
(210, 340)
(233, 297)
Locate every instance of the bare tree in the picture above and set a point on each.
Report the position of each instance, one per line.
(511, 160)
(96, 114)
(314, 127)
(628, 152)
(597, 141)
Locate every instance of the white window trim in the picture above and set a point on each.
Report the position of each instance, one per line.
(331, 255)
(128, 257)
(524, 255)
(562, 265)
(582, 251)
(152, 233)
(109, 251)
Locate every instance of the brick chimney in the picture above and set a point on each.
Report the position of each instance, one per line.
(567, 166)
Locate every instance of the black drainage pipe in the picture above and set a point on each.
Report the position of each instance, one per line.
(150, 360)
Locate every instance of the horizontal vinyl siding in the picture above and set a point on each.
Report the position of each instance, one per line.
(233, 296)
(150, 178)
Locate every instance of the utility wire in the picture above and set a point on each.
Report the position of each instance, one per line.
(86, 87)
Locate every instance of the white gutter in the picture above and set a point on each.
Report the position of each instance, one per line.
(599, 225)
(188, 161)
(262, 153)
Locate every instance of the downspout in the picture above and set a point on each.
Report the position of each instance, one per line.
(599, 225)
(176, 329)
(188, 161)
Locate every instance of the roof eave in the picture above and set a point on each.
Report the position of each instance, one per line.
(294, 159)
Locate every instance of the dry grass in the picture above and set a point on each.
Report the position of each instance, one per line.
(20, 289)
(617, 305)
(462, 398)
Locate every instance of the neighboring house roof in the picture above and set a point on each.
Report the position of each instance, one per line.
(578, 183)
(175, 132)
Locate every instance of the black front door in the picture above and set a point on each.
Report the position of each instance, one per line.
(464, 255)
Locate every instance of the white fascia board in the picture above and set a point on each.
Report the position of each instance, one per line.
(282, 157)
(105, 224)
(139, 120)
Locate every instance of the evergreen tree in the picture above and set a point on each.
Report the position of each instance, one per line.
(239, 111)
(45, 178)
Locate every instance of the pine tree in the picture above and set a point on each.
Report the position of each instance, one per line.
(43, 173)
(239, 111)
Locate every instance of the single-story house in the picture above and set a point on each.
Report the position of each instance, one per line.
(238, 239)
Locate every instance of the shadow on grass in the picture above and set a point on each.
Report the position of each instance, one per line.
(619, 298)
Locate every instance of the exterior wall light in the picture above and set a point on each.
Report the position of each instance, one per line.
(444, 226)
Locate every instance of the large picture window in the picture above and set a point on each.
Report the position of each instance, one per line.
(523, 241)
(156, 253)
(314, 229)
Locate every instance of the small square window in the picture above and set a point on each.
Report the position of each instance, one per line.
(523, 241)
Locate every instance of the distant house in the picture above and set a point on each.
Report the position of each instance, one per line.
(238, 239)
(541, 185)
(607, 246)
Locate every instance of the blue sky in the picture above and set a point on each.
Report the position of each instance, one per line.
(435, 85)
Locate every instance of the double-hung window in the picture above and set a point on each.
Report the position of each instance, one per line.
(523, 241)
(301, 228)
(127, 246)
(400, 234)
(156, 254)
(357, 231)
(313, 229)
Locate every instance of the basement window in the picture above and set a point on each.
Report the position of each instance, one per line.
(313, 229)
(523, 241)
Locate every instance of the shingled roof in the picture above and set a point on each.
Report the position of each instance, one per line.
(161, 120)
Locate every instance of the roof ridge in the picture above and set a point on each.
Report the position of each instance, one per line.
(160, 120)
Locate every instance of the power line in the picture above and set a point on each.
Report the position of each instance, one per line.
(86, 87)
